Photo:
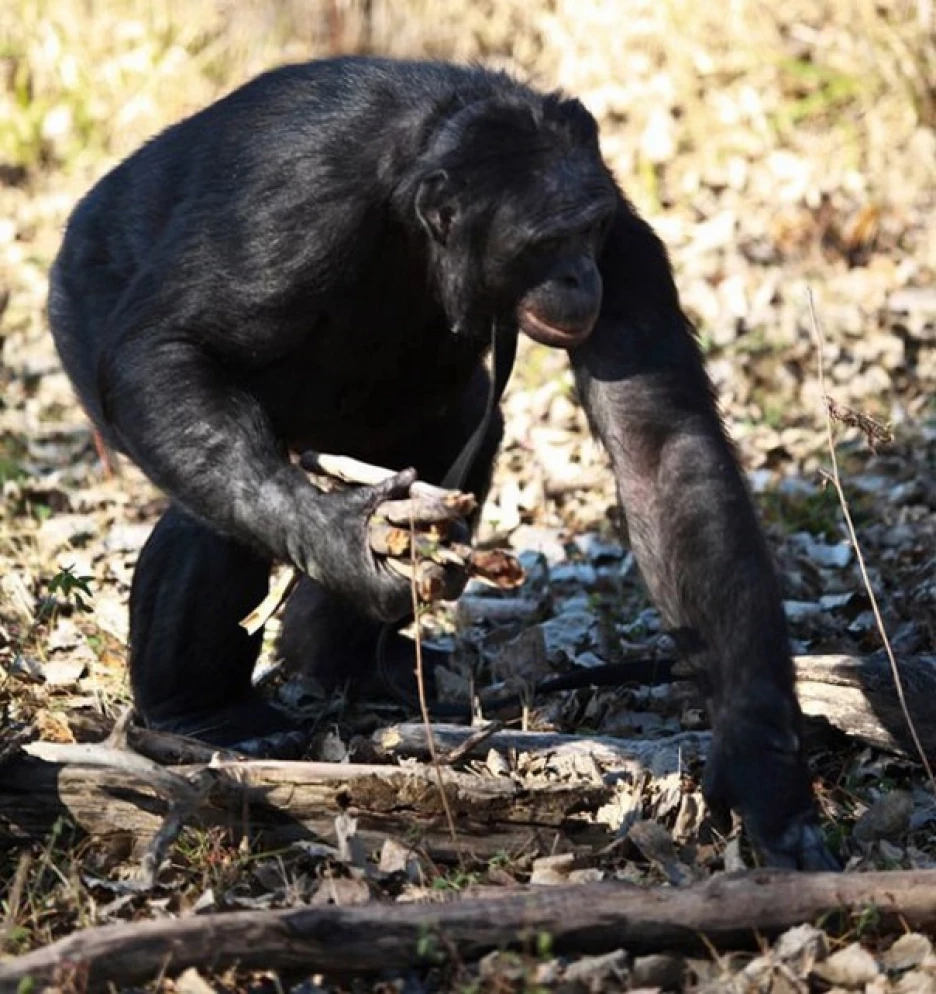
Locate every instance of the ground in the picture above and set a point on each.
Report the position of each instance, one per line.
(777, 154)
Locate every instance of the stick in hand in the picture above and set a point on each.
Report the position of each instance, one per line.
(424, 521)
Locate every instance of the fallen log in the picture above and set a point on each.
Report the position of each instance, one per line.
(858, 697)
(283, 802)
(730, 911)
(634, 756)
(855, 695)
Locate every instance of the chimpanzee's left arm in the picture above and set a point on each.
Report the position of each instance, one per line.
(696, 537)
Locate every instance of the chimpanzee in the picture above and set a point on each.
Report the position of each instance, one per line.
(315, 262)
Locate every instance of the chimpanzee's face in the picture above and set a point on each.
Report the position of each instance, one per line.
(554, 284)
(518, 233)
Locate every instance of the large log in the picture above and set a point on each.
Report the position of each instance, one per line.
(858, 696)
(733, 911)
(288, 801)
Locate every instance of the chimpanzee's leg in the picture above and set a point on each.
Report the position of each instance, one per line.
(325, 636)
(190, 661)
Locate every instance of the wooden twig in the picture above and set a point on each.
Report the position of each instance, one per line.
(169, 785)
(119, 737)
(177, 817)
(392, 540)
(280, 589)
(731, 911)
(364, 474)
(472, 743)
(494, 566)
(182, 796)
(859, 555)
(432, 581)
(423, 700)
(164, 748)
(428, 510)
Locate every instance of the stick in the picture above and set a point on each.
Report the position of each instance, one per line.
(423, 705)
(354, 471)
(433, 581)
(428, 510)
(164, 782)
(280, 589)
(472, 743)
(426, 505)
(493, 566)
(730, 911)
(392, 540)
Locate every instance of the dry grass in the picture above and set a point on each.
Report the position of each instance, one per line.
(84, 78)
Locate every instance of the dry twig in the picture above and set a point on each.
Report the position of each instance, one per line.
(423, 701)
(835, 479)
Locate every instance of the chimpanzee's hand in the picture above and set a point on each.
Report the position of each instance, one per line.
(331, 545)
(756, 767)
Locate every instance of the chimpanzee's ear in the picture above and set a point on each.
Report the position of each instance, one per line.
(435, 206)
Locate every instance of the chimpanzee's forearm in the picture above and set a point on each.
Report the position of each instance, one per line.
(690, 518)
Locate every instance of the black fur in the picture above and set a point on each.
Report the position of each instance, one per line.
(315, 262)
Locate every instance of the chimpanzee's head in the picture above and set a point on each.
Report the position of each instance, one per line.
(516, 201)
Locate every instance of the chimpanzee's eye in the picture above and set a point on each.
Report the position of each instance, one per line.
(602, 228)
(550, 246)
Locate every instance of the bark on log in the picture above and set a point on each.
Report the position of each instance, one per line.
(289, 801)
(858, 696)
(635, 756)
(730, 911)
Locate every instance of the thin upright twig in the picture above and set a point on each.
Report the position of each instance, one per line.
(835, 479)
(421, 690)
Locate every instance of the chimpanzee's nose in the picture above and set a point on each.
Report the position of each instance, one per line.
(570, 277)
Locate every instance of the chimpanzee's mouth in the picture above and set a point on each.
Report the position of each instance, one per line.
(555, 336)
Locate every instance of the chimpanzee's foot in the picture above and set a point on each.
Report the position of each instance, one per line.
(800, 846)
(325, 638)
(395, 675)
(252, 726)
(757, 769)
